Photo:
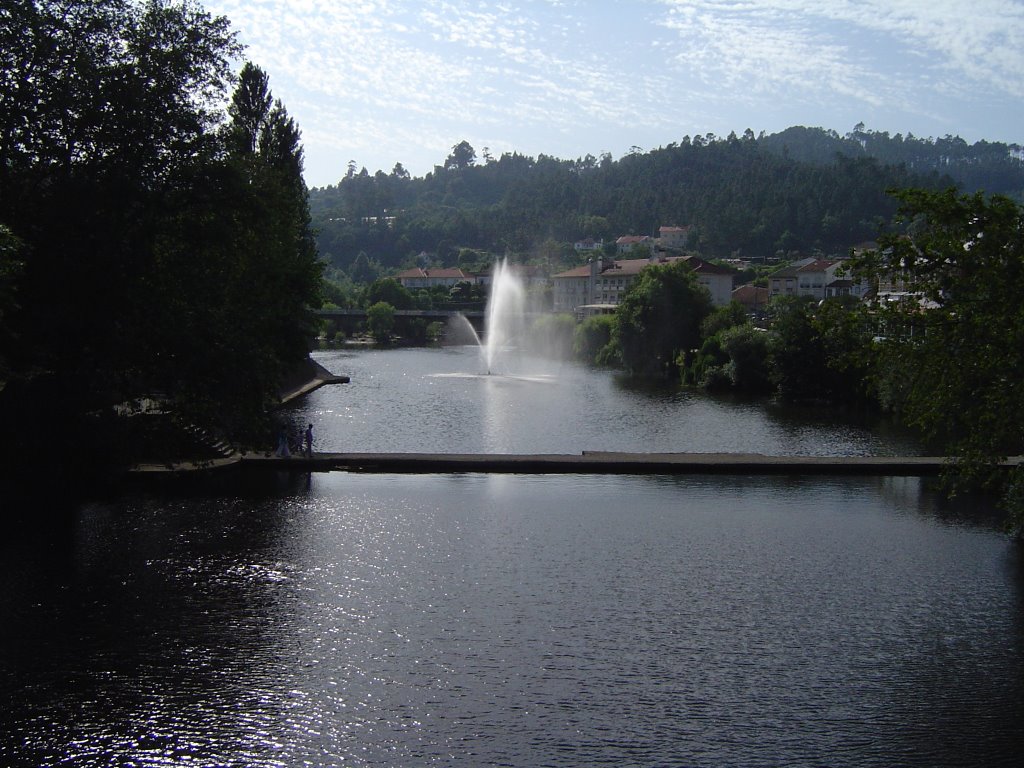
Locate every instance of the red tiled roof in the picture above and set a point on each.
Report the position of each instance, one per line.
(816, 266)
(785, 272)
(583, 271)
(626, 267)
(706, 267)
(618, 268)
(750, 294)
(443, 273)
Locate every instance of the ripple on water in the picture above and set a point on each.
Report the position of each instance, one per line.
(452, 620)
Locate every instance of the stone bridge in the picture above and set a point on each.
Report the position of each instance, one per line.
(354, 320)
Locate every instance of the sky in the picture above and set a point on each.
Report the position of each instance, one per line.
(381, 82)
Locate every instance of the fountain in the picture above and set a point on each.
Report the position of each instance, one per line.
(504, 318)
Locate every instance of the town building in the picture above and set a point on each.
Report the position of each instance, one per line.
(716, 279)
(752, 298)
(817, 278)
(783, 282)
(529, 275)
(599, 285)
(673, 237)
(846, 287)
(588, 245)
(807, 277)
(430, 278)
(627, 243)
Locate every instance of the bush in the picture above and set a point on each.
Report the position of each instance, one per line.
(436, 331)
(592, 340)
(747, 350)
(380, 321)
(706, 369)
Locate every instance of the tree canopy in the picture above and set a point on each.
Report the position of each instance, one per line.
(953, 345)
(149, 245)
(660, 318)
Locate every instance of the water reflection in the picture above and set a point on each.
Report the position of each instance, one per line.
(435, 401)
(519, 620)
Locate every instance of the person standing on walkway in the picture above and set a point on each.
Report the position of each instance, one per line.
(282, 444)
(309, 441)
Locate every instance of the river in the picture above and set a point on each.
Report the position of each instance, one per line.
(436, 400)
(349, 619)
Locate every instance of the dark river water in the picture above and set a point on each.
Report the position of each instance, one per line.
(495, 620)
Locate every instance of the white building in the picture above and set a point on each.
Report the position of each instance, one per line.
(673, 237)
(603, 282)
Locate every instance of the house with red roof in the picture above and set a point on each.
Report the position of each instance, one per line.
(627, 243)
(806, 277)
(753, 298)
(429, 278)
(673, 237)
(715, 278)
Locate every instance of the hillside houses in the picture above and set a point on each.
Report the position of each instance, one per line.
(599, 285)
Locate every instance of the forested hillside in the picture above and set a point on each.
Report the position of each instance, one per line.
(991, 167)
(800, 190)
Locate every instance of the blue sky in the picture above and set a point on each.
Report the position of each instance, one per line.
(381, 82)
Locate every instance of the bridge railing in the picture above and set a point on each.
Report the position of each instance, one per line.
(434, 313)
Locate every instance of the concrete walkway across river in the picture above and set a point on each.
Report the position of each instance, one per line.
(605, 462)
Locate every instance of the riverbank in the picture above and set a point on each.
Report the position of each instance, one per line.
(309, 379)
(218, 455)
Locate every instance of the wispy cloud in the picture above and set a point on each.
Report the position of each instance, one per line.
(751, 56)
(407, 79)
(869, 49)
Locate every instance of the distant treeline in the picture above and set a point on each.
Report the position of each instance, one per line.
(801, 190)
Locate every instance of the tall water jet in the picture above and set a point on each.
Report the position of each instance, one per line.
(505, 318)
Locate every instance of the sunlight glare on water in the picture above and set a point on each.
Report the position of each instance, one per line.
(521, 620)
(437, 400)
